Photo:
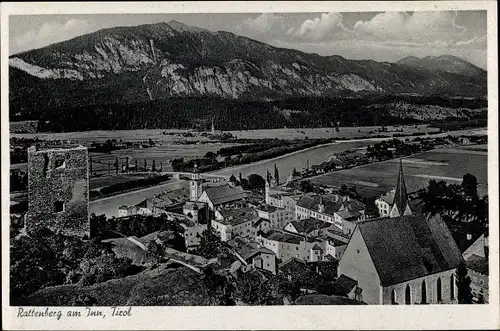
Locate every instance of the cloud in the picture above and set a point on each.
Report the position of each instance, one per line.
(51, 32)
(420, 27)
(262, 24)
(320, 28)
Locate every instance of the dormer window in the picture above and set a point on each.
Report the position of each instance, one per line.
(60, 164)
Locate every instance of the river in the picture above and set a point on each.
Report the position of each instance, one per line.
(285, 164)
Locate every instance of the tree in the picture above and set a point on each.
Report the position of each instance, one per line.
(211, 155)
(252, 289)
(463, 282)
(210, 244)
(276, 175)
(344, 190)
(469, 186)
(295, 173)
(256, 182)
(233, 179)
(306, 186)
(145, 165)
(153, 166)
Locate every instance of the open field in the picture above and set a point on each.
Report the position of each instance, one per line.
(292, 133)
(165, 154)
(345, 132)
(449, 164)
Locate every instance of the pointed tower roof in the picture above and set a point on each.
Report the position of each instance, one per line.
(401, 196)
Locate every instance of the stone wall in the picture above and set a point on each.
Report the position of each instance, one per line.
(58, 190)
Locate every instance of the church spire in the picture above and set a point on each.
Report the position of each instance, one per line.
(401, 204)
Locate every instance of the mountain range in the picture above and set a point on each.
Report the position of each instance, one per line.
(124, 65)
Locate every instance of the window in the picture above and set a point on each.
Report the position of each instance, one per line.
(424, 292)
(58, 206)
(452, 287)
(393, 297)
(408, 295)
(439, 294)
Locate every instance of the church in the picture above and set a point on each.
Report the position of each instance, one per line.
(395, 202)
(403, 257)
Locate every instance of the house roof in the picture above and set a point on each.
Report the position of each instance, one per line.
(478, 263)
(344, 285)
(170, 198)
(309, 224)
(268, 208)
(251, 249)
(282, 236)
(331, 203)
(237, 216)
(260, 220)
(225, 193)
(389, 197)
(408, 247)
(312, 202)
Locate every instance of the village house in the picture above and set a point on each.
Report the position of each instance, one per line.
(231, 222)
(281, 199)
(277, 217)
(310, 227)
(476, 261)
(218, 196)
(261, 225)
(254, 254)
(402, 260)
(288, 245)
(343, 212)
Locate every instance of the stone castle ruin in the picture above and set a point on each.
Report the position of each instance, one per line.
(58, 189)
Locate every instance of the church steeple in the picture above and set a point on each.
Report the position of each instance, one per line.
(401, 204)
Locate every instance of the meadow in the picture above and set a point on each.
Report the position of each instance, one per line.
(448, 164)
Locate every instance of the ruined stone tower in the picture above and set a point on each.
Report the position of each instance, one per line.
(58, 189)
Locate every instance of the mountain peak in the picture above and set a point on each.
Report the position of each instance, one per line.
(182, 27)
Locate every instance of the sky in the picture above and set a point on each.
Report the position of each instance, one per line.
(380, 36)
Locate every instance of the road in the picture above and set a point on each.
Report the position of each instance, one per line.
(109, 205)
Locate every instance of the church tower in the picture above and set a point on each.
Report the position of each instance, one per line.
(267, 188)
(195, 185)
(213, 127)
(401, 205)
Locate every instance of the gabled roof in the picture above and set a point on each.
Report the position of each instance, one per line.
(235, 216)
(251, 249)
(282, 236)
(408, 247)
(344, 285)
(225, 193)
(307, 225)
(312, 202)
(478, 263)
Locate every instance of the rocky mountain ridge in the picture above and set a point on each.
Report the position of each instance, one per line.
(163, 60)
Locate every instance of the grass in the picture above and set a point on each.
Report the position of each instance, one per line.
(158, 287)
(375, 179)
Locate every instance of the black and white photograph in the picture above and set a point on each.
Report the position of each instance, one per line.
(313, 158)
